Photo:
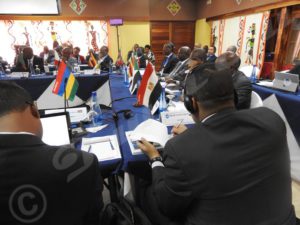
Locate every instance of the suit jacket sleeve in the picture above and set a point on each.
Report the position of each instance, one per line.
(243, 89)
(96, 200)
(171, 186)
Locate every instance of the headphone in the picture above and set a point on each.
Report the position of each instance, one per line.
(127, 113)
(188, 103)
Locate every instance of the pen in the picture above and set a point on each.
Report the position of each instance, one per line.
(90, 148)
(111, 145)
(179, 123)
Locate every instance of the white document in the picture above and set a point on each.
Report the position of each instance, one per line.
(273, 104)
(19, 74)
(176, 117)
(76, 114)
(265, 83)
(91, 72)
(152, 131)
(132, 144)
(105, 148)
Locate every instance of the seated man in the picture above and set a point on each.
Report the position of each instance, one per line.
(241, 83)
(211, 54)
(231, 168)
(47, 55)
(170, 59)
(67, 57)
(79, 58)
(42, 184)
(178, 74)
(105, 60)
(141, 58)
(29, 62)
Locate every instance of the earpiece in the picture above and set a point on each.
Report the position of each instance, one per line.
(127, 113)
(188, 103)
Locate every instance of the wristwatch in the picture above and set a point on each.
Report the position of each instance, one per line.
(155, 159)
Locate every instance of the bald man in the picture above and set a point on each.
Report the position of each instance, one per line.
(105, 60)
(178, 74)
(29, 59)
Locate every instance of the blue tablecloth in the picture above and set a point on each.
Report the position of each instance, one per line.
(290, 104)
(38, 84)
(122, 99)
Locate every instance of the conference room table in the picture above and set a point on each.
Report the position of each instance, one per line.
(123, 100)
(289, 102)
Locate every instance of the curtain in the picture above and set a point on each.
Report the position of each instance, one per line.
(247, 33)
(36, 34)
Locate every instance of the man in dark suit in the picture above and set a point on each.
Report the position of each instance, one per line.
(42, 184)
(211, 57)
(241, 83)
(105, 60)
(178, 74)
(47, 55)
(141, 58)
(170, 59)
(29, 62)
(231, 168)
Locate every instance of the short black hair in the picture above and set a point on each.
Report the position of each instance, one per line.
(209, 86)
(148, 46)
(228, 60)
(13, 98)
(198, 54)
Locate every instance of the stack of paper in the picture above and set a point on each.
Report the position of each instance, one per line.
(105, 148)
(152, 130)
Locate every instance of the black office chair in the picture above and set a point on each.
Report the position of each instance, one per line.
(297, 221)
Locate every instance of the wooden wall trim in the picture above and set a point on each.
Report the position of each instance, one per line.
(255, 10)
(13, 17)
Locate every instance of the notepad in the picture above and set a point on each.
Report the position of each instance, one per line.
(105, 148)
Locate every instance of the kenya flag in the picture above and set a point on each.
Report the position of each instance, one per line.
(150, 89)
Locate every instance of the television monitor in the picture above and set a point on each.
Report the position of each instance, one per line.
(56, 129)
(116, 22)
(30, 7)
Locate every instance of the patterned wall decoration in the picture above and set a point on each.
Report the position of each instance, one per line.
(78, 6)
(36, 34)
(174, 7)
(208, 2)
(238, 2)
(248, 33)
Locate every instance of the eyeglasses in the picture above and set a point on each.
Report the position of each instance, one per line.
(33, 103)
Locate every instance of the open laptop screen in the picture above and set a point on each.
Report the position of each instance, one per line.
(56, 129)
(76, 114)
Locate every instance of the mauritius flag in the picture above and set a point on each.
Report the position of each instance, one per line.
(65, 77)
(150, 89)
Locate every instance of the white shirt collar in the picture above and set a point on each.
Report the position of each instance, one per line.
(170, 55)
(206, 118)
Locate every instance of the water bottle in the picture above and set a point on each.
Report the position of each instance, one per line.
(96, 110)
(124, 72)
(162, 100)
(253, 75)
(37, 70)
(2, 72)
(31, 69)
(110, 67)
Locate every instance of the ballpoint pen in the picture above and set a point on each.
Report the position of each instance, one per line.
(90, 148)
(111, 145)
(179, 123)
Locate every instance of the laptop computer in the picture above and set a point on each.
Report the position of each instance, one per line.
(286, 81)
(56, 129)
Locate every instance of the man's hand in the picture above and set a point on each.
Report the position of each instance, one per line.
(179, 129)
(148, 149)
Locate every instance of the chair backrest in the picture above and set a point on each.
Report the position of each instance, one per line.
(247, 70)
(256, 101)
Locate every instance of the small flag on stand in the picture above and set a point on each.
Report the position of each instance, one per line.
(136, 76)
(56, 58)
(65, 76)
(92, 61)
(150, 89)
